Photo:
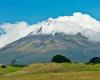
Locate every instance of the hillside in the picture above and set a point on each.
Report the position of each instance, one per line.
(55, 71)
(42, 48)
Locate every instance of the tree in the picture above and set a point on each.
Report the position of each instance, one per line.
(13, 62)
(60, 59)
(94, 60)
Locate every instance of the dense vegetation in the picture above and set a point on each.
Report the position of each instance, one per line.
(60, 59)
(94, 60)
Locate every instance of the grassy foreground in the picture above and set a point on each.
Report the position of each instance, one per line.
(52, 71)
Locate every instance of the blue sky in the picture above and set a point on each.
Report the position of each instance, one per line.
(33, 11)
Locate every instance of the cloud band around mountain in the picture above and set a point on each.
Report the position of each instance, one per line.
(70, 25)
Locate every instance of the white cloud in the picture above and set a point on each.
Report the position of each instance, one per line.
(83, 23)
(78, 23)
(14, 32)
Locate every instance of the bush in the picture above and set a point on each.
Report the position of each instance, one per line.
(94, 60)
(60, 59)
(3, 66)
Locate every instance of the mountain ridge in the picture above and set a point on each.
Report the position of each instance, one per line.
(76, 37)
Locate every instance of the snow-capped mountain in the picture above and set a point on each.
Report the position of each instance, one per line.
(71, 25)
(76, 37)
(78, 23)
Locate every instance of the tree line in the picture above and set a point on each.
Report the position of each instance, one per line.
(59, 59)
(63, 59)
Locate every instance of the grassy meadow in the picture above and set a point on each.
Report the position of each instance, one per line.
(51, 71)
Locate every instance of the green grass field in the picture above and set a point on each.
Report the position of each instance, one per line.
(52, 71)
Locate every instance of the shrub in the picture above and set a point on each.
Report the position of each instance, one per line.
(94, 60)
(3, 66)
(60, 59)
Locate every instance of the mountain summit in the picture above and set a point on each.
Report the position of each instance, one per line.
(78, 23)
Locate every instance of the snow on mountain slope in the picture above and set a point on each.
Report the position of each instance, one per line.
(71, 25)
